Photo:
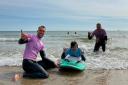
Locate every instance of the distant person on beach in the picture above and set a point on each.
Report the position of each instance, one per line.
(68, 33)
(73, 52)
(34, 45)
(75, 33)
(101, 37)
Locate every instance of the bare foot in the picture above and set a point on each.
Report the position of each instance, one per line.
(16, 77)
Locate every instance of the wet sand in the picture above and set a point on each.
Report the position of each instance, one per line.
(87, 77)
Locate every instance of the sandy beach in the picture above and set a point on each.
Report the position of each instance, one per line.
(87, 77)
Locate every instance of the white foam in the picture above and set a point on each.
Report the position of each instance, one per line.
(8, 39)
(15, 60)
(105, 61)
(115, 56)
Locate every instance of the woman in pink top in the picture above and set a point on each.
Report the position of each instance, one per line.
(34, 45)
(101, 37)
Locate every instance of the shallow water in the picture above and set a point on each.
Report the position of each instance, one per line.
(115, 56)
(87, 77)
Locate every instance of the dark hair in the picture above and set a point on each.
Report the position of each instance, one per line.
(73, 43)
(41, 27)
(98, 24)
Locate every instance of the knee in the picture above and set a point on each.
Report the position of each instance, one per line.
(45, 76)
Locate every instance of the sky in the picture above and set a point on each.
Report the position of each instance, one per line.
(63, 15)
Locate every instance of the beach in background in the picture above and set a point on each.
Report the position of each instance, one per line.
(109, 68)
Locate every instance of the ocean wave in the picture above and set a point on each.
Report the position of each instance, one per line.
(118, 48)
(8, 39)
(62, 36)
(86, 40)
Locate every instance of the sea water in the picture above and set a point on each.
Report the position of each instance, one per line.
(115, 57)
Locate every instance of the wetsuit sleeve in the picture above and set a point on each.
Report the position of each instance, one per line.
(105, 35)
(90, 35)
(42, 54)
(22, 41)
(45, 62)
(63, 55)
(82, 56)
(105, 38)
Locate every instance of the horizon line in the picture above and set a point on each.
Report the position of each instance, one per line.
(59, 30)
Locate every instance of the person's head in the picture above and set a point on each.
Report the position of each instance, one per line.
(74, 45)
(41, 31)
(98, 26)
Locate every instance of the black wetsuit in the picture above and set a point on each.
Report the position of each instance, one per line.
(36, 69)
(101, 43)
(102, 39)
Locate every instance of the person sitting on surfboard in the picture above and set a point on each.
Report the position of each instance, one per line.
(73, 52)
(34, 45)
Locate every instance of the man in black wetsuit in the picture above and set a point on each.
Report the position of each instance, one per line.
(34, 45)
(101, 37)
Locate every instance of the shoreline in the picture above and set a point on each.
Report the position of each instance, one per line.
(87, 77)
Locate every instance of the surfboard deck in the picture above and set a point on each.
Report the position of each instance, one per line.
(72, 64)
